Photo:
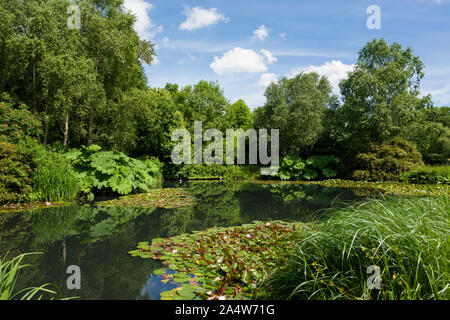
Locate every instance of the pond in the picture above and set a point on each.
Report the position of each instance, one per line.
(98, 239)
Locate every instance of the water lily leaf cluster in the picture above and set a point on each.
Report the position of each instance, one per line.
(18, 207)
(169, 198)
(221, 263)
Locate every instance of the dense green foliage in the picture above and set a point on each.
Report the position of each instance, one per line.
(297, 108)
(203, 101)
(382, 96)
(315, 167)
(153, 118)
(406, 238)
(428, 175)
(15, 173)
(82, 87)
(113, 171)
(16, 121)
(72, 80)
(216, 171)
(387, 161)
(238, 116)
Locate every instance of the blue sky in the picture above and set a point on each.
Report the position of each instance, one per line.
(244, 45)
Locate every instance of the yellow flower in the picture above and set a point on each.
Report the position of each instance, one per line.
(314, 264)
(394, 276)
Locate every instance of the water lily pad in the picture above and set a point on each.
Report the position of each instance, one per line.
(224, 261)
(168, 198)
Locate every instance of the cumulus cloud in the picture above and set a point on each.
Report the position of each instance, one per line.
(242, 60)
(261, 33)
(335, 71)
(266, 79)
(144, 25)
(199, 17)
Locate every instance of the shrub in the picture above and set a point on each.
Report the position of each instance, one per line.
(407, 238)
(321, 166)
(16, 121)
(53, 178)
(426, 175)
(291, 168)
(294, 168)
(387, 161)
(15, 173)
(217, 171)
(113, 171)
(439, 152)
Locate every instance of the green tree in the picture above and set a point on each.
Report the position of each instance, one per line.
(154, 119)
(202, 102)
(238, 115)
(381, 96)
(297, 108)
(73, 79)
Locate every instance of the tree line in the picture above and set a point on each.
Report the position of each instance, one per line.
(73, 88)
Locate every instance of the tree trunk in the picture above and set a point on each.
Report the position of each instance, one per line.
(46, 123)
(91, 124)
(66, 131)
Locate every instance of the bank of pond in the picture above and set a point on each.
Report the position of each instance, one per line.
(240, 240)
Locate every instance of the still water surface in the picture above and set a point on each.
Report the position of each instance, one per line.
(98, 239)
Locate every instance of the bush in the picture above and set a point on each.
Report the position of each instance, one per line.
(16, 121)
(387, 161)
(406, 238)
(113, 171)
(439, 152)
(428, 175)
(217, 171)
(15, 173)
(315, 167)
(53, 178)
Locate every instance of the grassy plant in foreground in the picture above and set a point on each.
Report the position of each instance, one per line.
(9, 272)
(407, 238)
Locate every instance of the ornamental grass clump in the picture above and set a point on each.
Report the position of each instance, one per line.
(406, 238)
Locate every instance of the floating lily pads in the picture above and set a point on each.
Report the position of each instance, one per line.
(222, 262)
(169, 198)
(365, 188)
(18, 207)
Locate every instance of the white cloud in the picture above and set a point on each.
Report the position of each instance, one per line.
(261, 33)
(144, 26)
(266, 79)
(199, 17)
(335, 71)
(165, 41)
(441, 95)
(436, 82)
(242, 60)
(156, 61)
(283, 35)
(270, 58)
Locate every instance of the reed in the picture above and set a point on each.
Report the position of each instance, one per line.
(9, 273)
(407, 238)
